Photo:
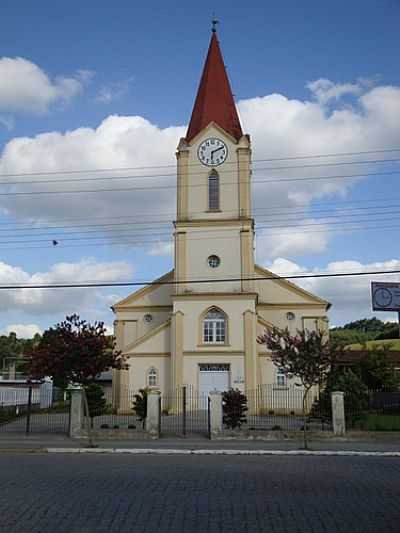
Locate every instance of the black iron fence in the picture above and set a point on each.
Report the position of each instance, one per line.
(183, 412)
(275, 408)
(373, 410)
(116, 413)
(34, 408)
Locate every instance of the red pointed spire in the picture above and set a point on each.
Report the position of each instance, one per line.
(214, 101)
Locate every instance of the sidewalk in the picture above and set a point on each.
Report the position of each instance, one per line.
(45, 443)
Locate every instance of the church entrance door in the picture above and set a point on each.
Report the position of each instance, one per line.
(213, 377)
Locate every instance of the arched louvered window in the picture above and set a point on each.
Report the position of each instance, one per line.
(214, 326)
(213, 191)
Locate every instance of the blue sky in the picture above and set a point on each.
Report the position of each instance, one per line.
(323, 77)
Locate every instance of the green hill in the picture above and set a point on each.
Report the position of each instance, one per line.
(394, 344)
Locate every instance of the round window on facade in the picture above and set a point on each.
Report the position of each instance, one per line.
(290, 315)
(147, 318)
(213, 261)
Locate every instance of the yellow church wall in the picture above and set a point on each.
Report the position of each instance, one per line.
(194, 309)
(198, 179)
(282, 291)
(223, 242)
(134, 326)
(305, 318)
(139, 367)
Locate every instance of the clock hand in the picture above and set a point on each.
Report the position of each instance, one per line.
(217, 150)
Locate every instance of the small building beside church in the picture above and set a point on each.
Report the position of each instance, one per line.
(198, 324)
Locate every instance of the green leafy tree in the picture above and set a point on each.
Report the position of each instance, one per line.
(74, 351)
(377, 370)
(140, 405)
(234, 407)
(356, 397)
(306, 356)
(96, 400)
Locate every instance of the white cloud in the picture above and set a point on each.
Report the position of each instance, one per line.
(350, 296)
(45, 301)
(23, 331)
(325, 90)
(278, 126)
(24, 86)
(162, 248)
(291, 242)
(113, 91)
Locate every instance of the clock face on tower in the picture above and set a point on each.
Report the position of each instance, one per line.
(212, 152)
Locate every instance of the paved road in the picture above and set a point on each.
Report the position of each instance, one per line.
(82, 494)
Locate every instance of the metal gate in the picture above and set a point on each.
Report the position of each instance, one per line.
(184, 412)
(34, 409)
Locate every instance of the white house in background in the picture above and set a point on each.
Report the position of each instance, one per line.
(178, 331)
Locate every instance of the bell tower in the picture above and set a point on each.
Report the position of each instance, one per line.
(214, 229)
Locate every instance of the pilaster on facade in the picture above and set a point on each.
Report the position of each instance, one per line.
(182, 156)
(180, 261)
(250, 349)
(119, 334)
(247, 259)
(244, 173)
(177, 350)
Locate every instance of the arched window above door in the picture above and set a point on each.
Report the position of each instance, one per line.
(214, 326)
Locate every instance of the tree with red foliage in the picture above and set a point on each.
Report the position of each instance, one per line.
(306, 356)
(74, 351)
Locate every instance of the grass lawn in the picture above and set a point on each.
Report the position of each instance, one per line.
(380, 423)
(393, 343)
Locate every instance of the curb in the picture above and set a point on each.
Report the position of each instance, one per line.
(156, 451)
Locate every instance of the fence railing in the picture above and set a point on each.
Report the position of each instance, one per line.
(112, 415)
(33, 409)
(274, 408)
(184, 411)
(373, 410)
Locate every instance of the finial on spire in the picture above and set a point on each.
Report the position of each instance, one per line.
(214, 23)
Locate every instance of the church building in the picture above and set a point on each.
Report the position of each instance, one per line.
(198, 324)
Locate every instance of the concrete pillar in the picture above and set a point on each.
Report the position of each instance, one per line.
(338, 417)
(177, 350)
(46, 393)
(216, 424)
(153, 414)
(250, 352)
(76, 418)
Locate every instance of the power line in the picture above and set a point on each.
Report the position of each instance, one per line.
(310, 208)
(157, 240)
(197, 281)
(164, 187)
(104, 228)
(173, 175)
(125, 169)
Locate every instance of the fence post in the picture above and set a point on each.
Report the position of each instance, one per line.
(216, 427)
(28, 413)
(184, 411)
(153, 414)
(76, 413)
(338, 417)
(46, 393)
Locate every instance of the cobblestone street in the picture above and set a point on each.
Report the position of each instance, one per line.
(103, 493)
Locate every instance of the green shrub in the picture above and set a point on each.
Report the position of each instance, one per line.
(356, 398)
(96, 400)
(234, 407)
(7, 414)
(140, 405)
(374, 422)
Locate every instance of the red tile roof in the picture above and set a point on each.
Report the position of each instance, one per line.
(214, 101)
